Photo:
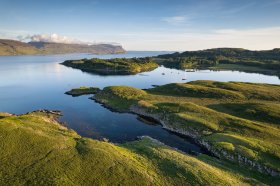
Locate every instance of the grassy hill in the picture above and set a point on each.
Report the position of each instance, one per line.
(37, 150)
(235, 121)
(12, 47)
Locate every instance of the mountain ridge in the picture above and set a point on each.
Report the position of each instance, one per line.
(13, 47)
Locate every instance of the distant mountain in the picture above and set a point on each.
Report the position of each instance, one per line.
(12, 47)
(58, 48)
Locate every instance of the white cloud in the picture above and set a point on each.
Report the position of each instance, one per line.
(175, 19)
(53, 38)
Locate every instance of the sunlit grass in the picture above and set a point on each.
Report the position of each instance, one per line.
(36, 150)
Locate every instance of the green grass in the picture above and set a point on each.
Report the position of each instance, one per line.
(263, 112)
(36, 150)
(234, 118)
(83, 91)
(119, 97)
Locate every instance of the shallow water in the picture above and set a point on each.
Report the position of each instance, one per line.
(30, 83)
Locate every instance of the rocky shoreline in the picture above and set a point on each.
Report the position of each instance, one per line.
(205, 144)
(196, 137)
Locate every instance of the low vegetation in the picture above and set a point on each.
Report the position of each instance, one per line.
(83, 91)
(118, 66)
(235, 121)
(37, 150)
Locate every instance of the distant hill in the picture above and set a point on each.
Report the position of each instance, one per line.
(54, 48)
(12, 47)
(229, 53)
(264, 61)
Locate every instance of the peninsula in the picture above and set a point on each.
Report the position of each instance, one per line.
(235, 121)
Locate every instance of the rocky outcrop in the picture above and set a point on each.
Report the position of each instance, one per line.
(242, 160)
(52, 112)
(161, 118)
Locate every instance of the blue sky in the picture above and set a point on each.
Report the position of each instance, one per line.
(148, 24)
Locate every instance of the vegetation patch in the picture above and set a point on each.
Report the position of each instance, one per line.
(119, 97)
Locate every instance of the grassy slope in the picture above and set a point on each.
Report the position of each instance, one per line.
(214, 112)
(36, 150)
(113, 66)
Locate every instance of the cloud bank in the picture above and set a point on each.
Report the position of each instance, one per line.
(55, 38)
(51, 38)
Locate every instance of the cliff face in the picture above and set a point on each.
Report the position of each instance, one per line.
(12, 47)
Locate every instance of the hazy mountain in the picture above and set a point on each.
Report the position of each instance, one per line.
(12, 47)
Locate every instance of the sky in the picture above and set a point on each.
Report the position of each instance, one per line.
(166, 25)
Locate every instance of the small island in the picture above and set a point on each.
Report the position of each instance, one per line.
(234, 121)
(117, 66)
(82, 91)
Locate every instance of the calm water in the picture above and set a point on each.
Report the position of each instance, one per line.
(29, 83)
